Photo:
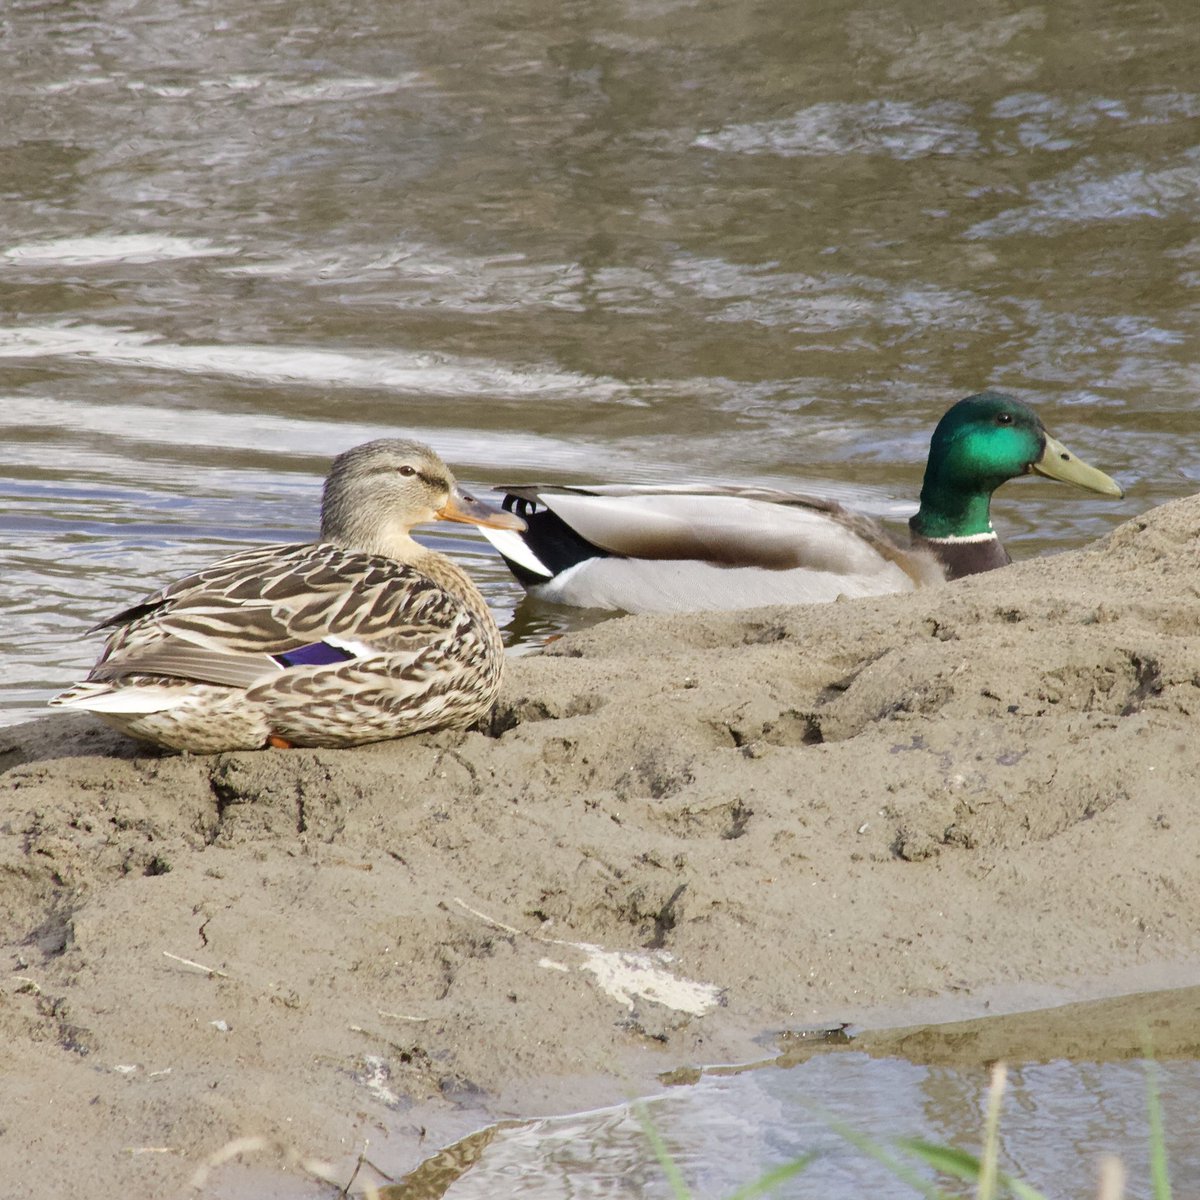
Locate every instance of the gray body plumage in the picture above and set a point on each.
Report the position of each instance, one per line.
(674, 549)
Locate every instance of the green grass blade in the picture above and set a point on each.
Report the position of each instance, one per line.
(679, 1187)
(898, 1167)
(1020, 1189)
(965, 1166)
(1159, 1174)
(772, 1179)
(950, 1160)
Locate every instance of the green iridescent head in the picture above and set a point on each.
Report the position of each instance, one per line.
(981, 442)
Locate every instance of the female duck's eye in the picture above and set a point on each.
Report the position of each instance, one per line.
(406, 470)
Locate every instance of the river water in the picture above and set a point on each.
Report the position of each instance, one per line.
(1076, 1093)
(656, 240)
(670, 239)
(1061, 1119)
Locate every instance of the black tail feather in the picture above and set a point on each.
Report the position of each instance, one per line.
(550, 538)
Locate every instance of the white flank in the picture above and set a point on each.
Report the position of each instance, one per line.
(685, 585)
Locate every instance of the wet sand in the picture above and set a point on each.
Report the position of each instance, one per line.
(678, 838)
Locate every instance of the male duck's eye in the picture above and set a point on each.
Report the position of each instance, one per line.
(406, 470)
(1004, 419)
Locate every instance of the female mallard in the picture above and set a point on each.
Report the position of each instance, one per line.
(361, 636)
(679, 548)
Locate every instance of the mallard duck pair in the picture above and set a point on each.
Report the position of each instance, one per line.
(361, 636)
(687, 548)
(367, 635)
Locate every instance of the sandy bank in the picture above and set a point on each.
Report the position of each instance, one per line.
(678, 833)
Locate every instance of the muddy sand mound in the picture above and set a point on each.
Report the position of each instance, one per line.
(676, 835)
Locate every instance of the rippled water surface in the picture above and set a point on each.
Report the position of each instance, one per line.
(1061, 1119)
(1075, 1094)
(661, 240)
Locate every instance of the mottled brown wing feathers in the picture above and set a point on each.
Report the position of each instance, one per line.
(222, 624)
(173, 658)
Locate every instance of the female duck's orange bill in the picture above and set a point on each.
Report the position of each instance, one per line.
(461, 507)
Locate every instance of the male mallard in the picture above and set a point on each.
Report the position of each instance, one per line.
(679, 548)
(361, 636)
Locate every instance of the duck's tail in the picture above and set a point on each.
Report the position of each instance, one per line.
(546, 547)
(100, 696)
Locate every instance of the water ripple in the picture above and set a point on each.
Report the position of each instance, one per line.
(1086, 194)
(420, 373)
(898, 129)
